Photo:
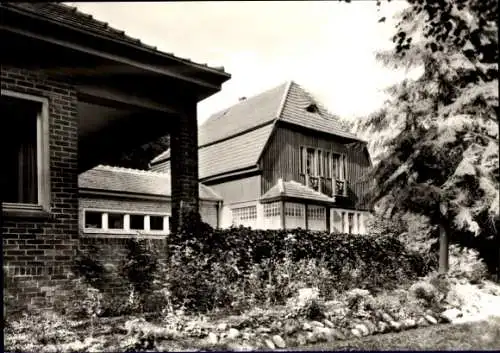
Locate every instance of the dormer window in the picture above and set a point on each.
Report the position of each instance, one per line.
(312, 108)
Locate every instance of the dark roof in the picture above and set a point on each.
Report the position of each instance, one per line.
(125, 180)
(71, 16)
(294, 189)
(235, 137)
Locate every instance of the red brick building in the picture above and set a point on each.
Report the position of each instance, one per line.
(75, 93)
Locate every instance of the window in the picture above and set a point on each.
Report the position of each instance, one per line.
(328, 173)
(350, 222)
(136, 222)
(93, 219)
(122, 222)
(310, 170)
(115, 221)
(155, 222)
(315, 213)
(320, 163)
(338, 166)
(25, 160)
(294, 210)
(244, 213)
(272, 209)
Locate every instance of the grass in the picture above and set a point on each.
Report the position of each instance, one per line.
(484, 335)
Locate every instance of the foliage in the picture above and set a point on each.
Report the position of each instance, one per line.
(439, 157)
(140, 265)
(466, 264)
(212, 268)
(139, 158)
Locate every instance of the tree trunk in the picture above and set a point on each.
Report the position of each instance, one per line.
(443, 249)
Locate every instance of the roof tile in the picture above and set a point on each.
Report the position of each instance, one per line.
(71, 16)
(118, 179)
(232, 144)
(295, 190)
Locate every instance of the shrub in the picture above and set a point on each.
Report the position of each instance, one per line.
(210, 267)
(466, 264)
(140, 267)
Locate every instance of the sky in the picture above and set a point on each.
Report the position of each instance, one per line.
(328, 47)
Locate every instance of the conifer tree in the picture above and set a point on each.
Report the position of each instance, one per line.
(438, 155)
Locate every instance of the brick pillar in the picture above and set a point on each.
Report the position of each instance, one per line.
(184, 165)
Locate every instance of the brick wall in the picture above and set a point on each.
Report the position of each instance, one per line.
(111, 251)
(37, 252)
(184, 164)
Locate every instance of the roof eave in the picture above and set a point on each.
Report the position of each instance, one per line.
(219, 76)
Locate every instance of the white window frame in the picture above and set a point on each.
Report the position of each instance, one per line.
(126, 222)
(43, 157)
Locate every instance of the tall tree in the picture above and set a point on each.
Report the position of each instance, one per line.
(441, 158)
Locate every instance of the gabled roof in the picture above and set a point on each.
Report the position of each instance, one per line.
(71, 16)
(133, 181)
(293, 189)
(235, 137)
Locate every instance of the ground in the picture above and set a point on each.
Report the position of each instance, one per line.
(484, 335)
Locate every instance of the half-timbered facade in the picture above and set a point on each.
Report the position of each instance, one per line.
(281, 160)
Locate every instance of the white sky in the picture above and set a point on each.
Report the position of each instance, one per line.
(326, 46)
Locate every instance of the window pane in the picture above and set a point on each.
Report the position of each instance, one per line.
(156, 222)
(19, 159)
(115, 221)
(93, 219)
(351, 222)
(310, 161)
(136, 222)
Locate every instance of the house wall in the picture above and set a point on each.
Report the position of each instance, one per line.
(281, 159)
(238, 191)
(208, 209)
(38, 251)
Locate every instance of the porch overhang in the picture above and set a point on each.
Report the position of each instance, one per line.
(128, 94)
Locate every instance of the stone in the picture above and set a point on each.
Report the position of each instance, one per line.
(363, 329)
(306, 326)
(409, 323)
(356, 333)
(269, 344)
(451, 315)
(328, 323)
(278, 341)
(212, 338)
(233, 333)
(317, 324)
(387, 318)
(324, 334)
(382, 327)
(263, 329)
(431, 319)
(422, 322)
(395, 325)
(222, 326)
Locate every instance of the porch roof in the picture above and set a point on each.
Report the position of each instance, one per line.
(133, 181)
(294, 190)
(70, 16)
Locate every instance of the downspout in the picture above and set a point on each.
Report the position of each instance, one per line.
(218, 209)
